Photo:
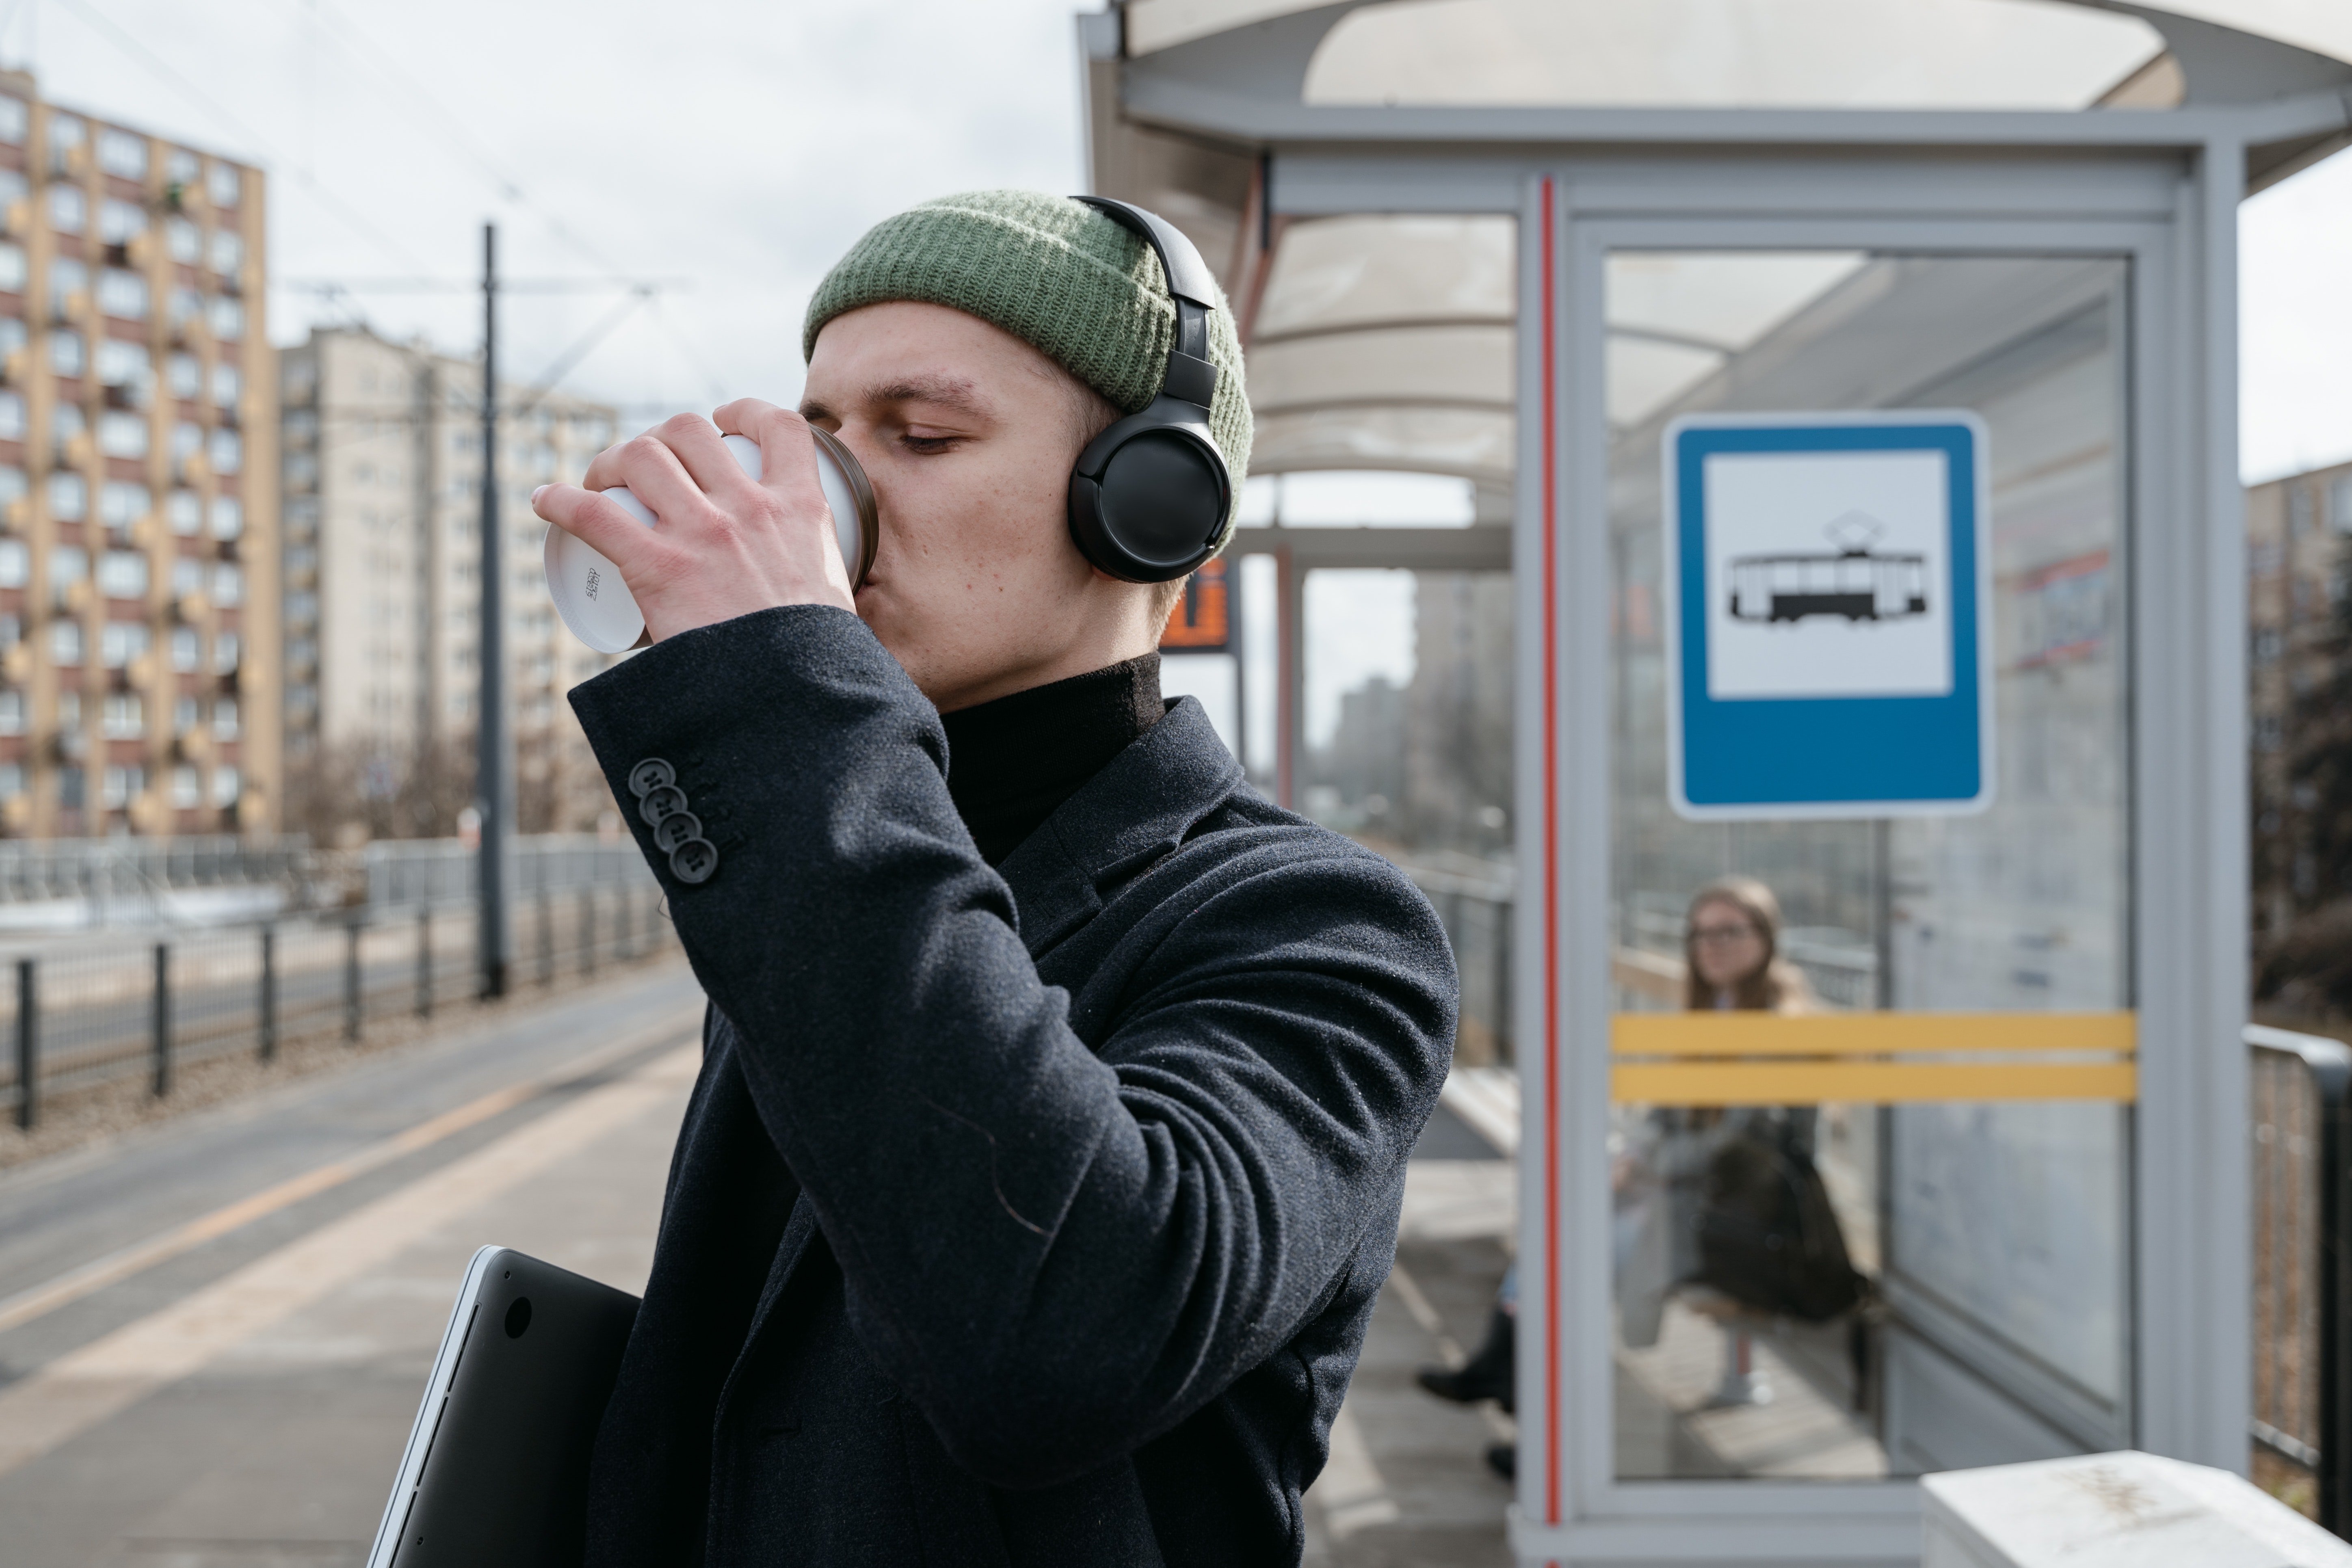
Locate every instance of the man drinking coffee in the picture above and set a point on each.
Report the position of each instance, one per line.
(1057, 1089)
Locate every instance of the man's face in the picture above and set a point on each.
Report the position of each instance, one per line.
(967, 435)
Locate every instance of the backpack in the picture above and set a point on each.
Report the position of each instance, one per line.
(1768, 1237)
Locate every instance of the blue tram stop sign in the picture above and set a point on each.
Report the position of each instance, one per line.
(1827, 594)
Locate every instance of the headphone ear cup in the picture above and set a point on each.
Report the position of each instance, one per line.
(1155, 510)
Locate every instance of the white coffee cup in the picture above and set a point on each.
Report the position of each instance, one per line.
(597, 604)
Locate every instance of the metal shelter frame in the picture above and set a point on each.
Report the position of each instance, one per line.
(2157, 187)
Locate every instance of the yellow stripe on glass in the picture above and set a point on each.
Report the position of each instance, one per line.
(1765, 1058)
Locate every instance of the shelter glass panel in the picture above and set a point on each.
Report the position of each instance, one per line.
(1862, 1248)
(1408, 748)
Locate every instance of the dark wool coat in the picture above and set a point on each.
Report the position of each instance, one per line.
(1031, 1219)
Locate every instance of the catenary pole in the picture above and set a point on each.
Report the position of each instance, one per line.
(494, 771)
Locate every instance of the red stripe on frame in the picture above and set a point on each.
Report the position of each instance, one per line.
(1547, 398)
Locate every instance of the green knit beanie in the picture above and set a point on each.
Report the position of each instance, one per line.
(1054, 273)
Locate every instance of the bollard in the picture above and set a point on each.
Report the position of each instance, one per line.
(424, 962)
(268, 1000)
(162, 1019)
(352, 999)
(546, 938)
(588, 930)
(28, 1046)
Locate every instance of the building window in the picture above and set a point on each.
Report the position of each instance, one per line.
(302, 608)
(69, 500)
(228, 252)
(119, 642)
(67, 355)
(187, 789)
(183, 651)
(15, 120)
(121, 152)
(182, 240)
(187, 439)
(225, 786)
(12, 417)
(229, 517)
(122, 574)
(66, 137)
(181, 167)
(68, 564)
(185, 509)
(122, 294)
(228, 584)
(68, 279)
(224, 653)
(65, 644)
(69, 787)
(123, 718)
(2298, 511)
(12, 269)
(121, 502)
(226, 318)
(121, 434)
(12, 488)
(69, 209)
(118, 784)
(228, 451)
(180, 306)
(11, 713)
(15, 563)
(64, 424)
(121, 222)
(224, 717)
(221, 183)
(187, 578)
(226, 384)
(183, 376)
(125, 363)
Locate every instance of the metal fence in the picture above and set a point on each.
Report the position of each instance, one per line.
(108, 1007)
(1472, 899)
(2302, 1374)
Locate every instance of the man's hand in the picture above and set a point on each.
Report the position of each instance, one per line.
(726, 546)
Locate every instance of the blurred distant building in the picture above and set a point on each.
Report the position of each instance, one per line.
(2296, 565)
(138, 499)
(382, 476)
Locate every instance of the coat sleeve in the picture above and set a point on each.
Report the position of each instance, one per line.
(1058, 1252)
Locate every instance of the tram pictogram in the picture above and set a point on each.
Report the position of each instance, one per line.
(1854, 580)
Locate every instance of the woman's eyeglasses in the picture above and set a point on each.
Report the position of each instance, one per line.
(1716, 936)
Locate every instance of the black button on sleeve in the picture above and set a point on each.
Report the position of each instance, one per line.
(694, 860)
(675, 829)
(650, 775)
(665, 800)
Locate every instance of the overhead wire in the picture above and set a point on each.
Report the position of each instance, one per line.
(106, 27)
(451, 126)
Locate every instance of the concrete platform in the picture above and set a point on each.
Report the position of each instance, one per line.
(239, 1400)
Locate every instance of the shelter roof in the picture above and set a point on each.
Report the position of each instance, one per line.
(1385, 340)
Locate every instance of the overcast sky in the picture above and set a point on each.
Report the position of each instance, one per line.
(737, 155)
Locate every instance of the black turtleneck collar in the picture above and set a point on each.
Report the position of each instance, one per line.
(1013, 761)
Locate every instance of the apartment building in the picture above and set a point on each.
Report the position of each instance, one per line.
(2297, 573)
(138, 507)
(382, 562)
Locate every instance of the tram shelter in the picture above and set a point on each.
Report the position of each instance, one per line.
(1527, 248)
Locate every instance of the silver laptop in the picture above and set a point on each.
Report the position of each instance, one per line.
(497, 1466)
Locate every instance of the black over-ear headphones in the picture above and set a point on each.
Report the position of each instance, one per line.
(1149, 495)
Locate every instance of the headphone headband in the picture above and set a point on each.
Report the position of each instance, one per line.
(1192, 377)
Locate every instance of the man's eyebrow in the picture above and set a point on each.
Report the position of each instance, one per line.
(959, 393)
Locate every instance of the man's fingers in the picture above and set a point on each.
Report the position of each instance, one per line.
(787, 453)
(649, 466)
(600, 523)
(702, 454)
